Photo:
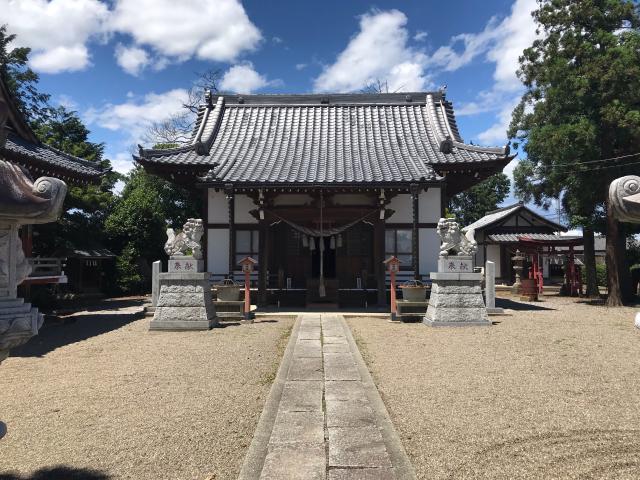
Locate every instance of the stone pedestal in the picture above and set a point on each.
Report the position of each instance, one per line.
(456, 297)
(184, 303)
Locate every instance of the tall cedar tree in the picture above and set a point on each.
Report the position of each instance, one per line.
(85, 207)
(473, 204)
(21, 81)
(581, 105)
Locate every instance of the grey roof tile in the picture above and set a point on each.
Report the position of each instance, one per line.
(514, 237)
(46, 158)
(348, 138)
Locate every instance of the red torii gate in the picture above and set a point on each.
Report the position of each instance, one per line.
(534, 247)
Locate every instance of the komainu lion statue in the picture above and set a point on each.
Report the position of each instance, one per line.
(624, 201)
(624, 198)
(188, 239)
(454, 240)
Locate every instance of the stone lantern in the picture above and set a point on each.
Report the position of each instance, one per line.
(22, 202)
(518, 267)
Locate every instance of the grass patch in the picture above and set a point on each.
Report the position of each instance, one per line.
(281, 345)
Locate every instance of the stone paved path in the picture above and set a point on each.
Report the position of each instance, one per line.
(329, 422)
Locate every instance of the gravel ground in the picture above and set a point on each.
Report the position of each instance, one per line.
(551, 393)
(104, 394)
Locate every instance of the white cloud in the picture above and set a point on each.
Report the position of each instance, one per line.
(301, 66)
(134, 116)
(501, 42)
(121, 162)
(379, 51)
(57, 31)
(210, 30)
(132, 59)
(420, 36)
(243, 78)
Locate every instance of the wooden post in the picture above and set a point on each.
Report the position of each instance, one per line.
(247, 264)
(393, 266)
(247, 295)
(378, 253)
(394, 306)
(228, 188)
(262, 258)
(414, 188)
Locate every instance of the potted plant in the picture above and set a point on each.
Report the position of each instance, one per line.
(228, 291)
(414, 291)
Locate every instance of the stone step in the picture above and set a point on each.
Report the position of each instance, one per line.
(15, 309)
(11, 302)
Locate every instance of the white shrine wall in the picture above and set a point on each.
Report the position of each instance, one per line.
(429, 204)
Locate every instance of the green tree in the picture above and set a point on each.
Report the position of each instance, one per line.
(581, 105)
(85, 207)
(137, 225)
(474, 203)
(21, 81)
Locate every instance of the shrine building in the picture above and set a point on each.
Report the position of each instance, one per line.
(322, 188)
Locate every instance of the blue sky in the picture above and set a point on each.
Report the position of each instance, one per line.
(124, 63)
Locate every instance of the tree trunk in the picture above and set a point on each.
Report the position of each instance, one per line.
(590, 263)
(612, 259)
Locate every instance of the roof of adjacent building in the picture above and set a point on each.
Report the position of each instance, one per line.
(337, 138)
(502, 214)
(543, 237)
(19, 144)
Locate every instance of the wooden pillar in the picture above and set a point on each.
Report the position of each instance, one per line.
(232, 231)
(378, 256)
(414, 188)
(263, 263)
(205, 221)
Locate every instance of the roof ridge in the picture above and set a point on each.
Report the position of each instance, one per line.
(82, 161)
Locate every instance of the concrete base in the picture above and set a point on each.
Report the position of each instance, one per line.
(184, 303)
(495, 311)
(456, 300)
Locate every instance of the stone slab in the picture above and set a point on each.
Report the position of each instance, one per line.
(305, 369)
(455, 264)
(298, 427)
(309, 333)
(468, 323)
(456, 300)
(340, 366)
(457, 315)
(335, 348)
(176, 325)
(302, 396)
(455, 276)
(349, 414)
(361, 474)
(294, 462)
(357, 447)
(184, 276)
(307, 348)
(327, 340)
(495, 311)
(185, 264)
(458, 286)
(344, 391)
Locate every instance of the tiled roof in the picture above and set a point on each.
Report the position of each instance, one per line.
(500, 214)
(349, 138)
(43, 158)
(493, 217)
(547, 237)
